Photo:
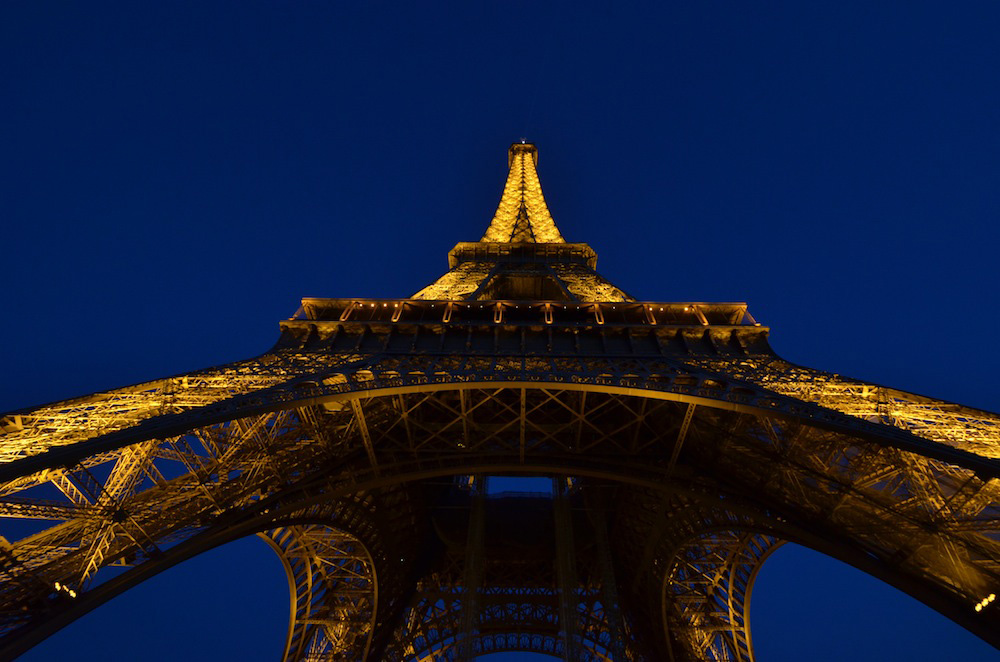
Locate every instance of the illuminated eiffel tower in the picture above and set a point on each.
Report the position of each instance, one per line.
(681, 451)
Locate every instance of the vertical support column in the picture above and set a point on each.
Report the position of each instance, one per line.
(566, 568)
(473, 576)
(609, 585)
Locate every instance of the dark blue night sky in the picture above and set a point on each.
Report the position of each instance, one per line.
(176, 175)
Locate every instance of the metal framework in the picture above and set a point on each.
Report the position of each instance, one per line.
(682, 451)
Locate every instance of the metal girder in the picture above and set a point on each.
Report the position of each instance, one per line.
(359, 417)
(681, 436)
(566, 570)
(613, 624)
(472, 578)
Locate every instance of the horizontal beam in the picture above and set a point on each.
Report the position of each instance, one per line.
(692, 389)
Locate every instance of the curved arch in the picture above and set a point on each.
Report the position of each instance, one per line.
(333, 590)
(721, 629)
(813, 594)
(819, 479)
(281, 532)
(230, 602)
(678, 382)
(706, 593)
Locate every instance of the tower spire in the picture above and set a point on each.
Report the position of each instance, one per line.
(522, 215)
(522, 255)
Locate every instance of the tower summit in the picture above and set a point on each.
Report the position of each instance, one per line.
(681, 450)
(522, 255)
(522, 215)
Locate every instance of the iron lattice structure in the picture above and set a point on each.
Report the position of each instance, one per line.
(682, 451)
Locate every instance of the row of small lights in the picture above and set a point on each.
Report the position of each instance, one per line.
(65, 589)
(434, 305)
(500, 305)
(985, 601)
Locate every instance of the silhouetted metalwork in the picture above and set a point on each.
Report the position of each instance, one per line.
(682, 450)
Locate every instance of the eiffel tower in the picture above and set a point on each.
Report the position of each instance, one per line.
(680, 449)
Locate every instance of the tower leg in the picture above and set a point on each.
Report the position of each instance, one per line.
(566, 568)
(609, 585)
(333, 593)
(473, 576)
(706, 595)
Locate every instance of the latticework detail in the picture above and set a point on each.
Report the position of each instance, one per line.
(522, 215)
